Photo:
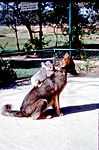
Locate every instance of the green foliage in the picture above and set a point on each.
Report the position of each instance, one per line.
(24, 73)
(7, 74)
(31, 44)
(34, 44)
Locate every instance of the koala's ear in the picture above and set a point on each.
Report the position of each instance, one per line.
(42, 64)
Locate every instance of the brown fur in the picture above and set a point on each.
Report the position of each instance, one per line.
(40, 98)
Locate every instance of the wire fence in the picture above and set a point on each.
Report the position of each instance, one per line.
(44, 53)
(25, 59)
(27, 64)
(81, 54)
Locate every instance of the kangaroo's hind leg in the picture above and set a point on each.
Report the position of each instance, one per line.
(38, 108)
(56, 105)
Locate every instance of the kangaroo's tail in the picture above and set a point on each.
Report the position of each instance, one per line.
(7, 111)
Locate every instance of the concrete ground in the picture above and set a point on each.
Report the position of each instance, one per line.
(76, 130)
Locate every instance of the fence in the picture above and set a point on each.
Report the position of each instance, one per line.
(86, 60)
(48, 54)
(30, 62)
(57, 52)
(77, 54)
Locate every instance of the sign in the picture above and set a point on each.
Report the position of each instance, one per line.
(26, 6)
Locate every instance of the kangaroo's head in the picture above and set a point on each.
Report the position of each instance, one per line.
(69, 64)
(66, 63)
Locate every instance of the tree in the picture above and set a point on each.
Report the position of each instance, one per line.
(10, 20)
(54, 14)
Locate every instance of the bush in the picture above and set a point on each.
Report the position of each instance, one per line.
(34, 44)
(7, 74)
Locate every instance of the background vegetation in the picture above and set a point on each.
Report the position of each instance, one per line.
(20, 30)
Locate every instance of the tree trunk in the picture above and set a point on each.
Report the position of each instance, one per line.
(16, 35)
(56, 36)
(17, 40)
(30, 31)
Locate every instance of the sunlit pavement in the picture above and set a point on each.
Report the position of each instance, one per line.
(76, 130)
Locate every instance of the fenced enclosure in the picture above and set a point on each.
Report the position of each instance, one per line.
(28, 63)
(29, 37)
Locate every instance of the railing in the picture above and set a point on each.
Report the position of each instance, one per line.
(29, 66)
(52, 50)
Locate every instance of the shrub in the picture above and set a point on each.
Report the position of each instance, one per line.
(7, 74)
(34, 44)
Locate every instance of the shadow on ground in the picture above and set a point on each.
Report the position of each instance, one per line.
(73, 109)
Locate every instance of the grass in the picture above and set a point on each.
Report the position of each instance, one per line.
(7, 35)
(23, 73)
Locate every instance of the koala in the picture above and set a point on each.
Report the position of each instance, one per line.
(45, 71)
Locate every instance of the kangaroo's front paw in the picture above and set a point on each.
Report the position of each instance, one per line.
(49, 117)
(61, 114)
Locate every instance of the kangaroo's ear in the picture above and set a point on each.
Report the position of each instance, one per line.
(67, 59)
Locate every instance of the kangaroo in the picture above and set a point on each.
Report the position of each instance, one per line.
(47, 94)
